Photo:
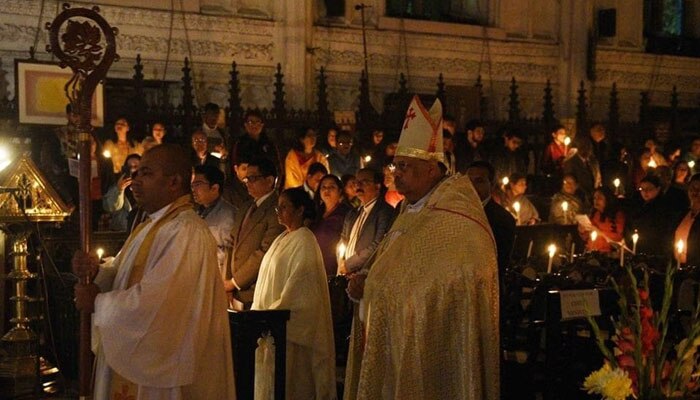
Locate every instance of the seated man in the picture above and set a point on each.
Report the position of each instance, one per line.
(160, 329)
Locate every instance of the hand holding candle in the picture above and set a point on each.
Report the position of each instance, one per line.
(616, 183)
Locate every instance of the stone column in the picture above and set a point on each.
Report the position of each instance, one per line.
(576, 26)
(292, 39)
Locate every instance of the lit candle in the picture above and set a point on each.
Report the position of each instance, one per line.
(594, 236)
(340, 251)
(565, 208)
(622, 253)
(529, 250)
(652, 164)
(691, 164)
(635, 238)
(368, 158)
(107, 154)
(100, 252)
(504, 182)
(567, 142)
(680, 247)
(616, 183)
(552, 249)
(516, 208)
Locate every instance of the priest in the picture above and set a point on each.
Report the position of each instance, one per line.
(160, 328)
(430, 327)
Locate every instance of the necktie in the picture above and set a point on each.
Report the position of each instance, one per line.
(248, 214)
(355, 233)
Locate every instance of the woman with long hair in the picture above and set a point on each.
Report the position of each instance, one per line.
(121, 144)
(300, 157)
(517, 203)
(608, 220)
(329, 222)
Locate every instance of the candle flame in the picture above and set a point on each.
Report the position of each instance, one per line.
(516, 206)
(551, 249)
(341, 250)
(594, 236)
(107, 154)
(100, 252)
(567, 141)
(652, 164)
(635, 237)
(680, 245)
(505, 180)
(691, 164)
(368, 158)
(565, 206)
(616, 182)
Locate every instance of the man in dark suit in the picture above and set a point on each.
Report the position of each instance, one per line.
(482, 175)
(200, 153)
(254, 229)
(365, 226)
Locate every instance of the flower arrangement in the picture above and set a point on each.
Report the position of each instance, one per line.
(644, 364)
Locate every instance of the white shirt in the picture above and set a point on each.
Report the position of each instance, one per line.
(357, 227)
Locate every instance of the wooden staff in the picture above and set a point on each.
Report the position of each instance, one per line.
(89, 56)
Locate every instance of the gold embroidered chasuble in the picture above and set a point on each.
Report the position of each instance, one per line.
(431, 321)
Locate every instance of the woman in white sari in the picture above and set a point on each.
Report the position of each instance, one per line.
(292, 277)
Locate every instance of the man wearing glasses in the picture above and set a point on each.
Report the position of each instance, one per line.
(207, 183)
(254, 143)
(254, 229)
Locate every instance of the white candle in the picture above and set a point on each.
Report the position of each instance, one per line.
(567, 142)
(616, 183)
(622, 253)
(573, 249)
(516, 208)
(680, 247)
(552, 249)
(529, 250)
(635, 238)
(565, 208)
(340, 252)
(100, 252)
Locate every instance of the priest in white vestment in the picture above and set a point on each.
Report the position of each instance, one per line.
(430, 326)
(160, 327)
(292, 277)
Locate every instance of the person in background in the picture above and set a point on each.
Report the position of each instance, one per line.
(681, 174)
(392, 196)
(343, 160)
(218, 138)
(607, 219)
(235, 191)
(254, 143)
(101, 182)
(584, 166)
(350, 190)
(67, 135)
(555, 152)
(510, 159)
(468, 146)
(313, 178)
(650, 218)
(675, 198)
(200, 154)
(121, 144)
(654, 154)
(300, 157)
(329, 220)
(292, 278)
(515, 193)
(693, 156)
(119, 200)
(574, 204)
(607, 152)
(688, 227)
(449, 148)
(330, 142)
(207, 185)
(642, 167)
(159, 132)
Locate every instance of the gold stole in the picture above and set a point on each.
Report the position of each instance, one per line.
(121, 388)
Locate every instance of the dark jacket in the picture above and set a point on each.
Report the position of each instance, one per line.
(376, 225)
(693, 243)
(503, 227)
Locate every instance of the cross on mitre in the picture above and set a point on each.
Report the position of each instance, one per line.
(421, 135)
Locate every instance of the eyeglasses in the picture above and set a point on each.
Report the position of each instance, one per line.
(253, 122)
(252, 178)
(200, 140)
(197, 184)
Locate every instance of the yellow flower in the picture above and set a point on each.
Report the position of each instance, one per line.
(612, 384)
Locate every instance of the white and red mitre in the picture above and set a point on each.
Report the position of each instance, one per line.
(421, 134)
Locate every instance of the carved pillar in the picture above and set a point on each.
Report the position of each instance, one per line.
(294, 36)
(576, 25)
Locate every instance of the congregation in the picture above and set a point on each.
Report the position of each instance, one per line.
(321, 211)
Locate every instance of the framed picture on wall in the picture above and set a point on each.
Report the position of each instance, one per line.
(40, 94)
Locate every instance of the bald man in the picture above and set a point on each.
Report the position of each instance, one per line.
(160, 327)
